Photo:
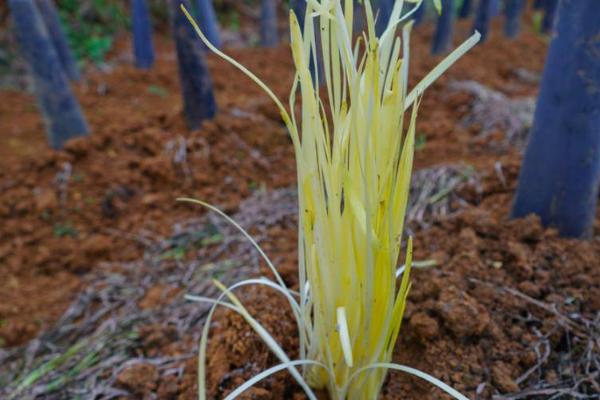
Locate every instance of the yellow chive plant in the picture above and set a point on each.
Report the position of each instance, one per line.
(354, 155)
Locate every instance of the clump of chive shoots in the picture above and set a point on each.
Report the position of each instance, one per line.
(354, 154)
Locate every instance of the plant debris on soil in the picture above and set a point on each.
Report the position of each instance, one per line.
(96, 256)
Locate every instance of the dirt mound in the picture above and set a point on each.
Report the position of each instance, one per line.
(510, 309)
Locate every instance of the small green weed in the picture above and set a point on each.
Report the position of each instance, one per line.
(420, 142)
(177, 254)
(537, 19)
(65, 230)
(92, 26)
(180, 245)
(158, 91)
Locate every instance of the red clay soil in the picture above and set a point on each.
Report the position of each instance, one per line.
(473, 321)
(125, 178)
(93, 204)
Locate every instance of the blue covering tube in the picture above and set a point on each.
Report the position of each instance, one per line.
(466, 9)
(384, 12)
(513, 12)
(59, 40)
(483, 19)
(419, 15)
(207, 19)
(62, 113)
(268, 23)
(442, 40)
(196, 84)
(561, 169)
(550, 11)
(143, 48)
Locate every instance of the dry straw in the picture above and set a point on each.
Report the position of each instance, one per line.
(354, 155)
